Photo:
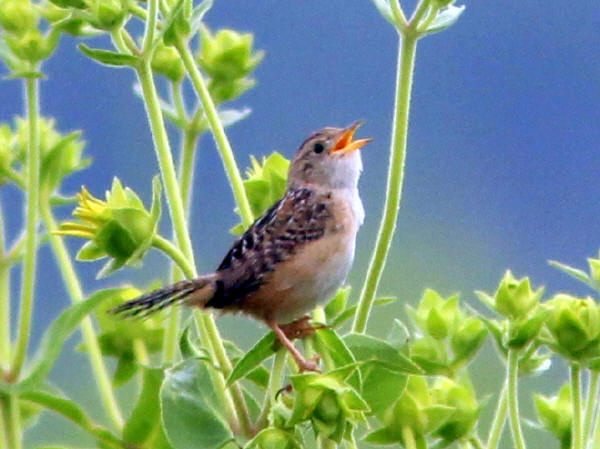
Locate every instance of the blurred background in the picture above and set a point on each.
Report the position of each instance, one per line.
(502, 166)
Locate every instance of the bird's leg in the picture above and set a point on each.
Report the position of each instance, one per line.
(303, 364)
(300, 328)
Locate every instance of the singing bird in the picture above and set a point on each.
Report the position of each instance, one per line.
(292, 258)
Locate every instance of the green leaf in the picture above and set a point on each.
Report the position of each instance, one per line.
(445, 18)
(328, 341)
(108, 57)
(384, 8)
(54, 339)
(253, 358)
(365, 348)
(189, 408)
(580, 275)
(145, 417)
(383, 437)
(198, 14)
(232, 116)
(338, 303)
(73, 412)
(126, 368)
(381, 386)
(350, 311)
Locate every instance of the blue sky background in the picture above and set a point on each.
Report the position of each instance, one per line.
(502, 166)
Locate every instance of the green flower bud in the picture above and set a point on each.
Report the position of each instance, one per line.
(556, 414)
(468, 338)
(522, 332)
(273, 438)
(108, 14)
(222, 90)
(31, 45)
(430, 354)
(436, 316)
(53, 13)
(327, 402)
(166, 61)
(228, 54)
(575, 326)
(514, 298)
(119, 228)
(460, 397)
(17, 16)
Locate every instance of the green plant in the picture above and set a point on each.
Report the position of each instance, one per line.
(196, 388)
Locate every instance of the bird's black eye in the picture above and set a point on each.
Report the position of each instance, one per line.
(318, 147)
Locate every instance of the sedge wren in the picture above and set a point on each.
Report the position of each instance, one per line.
(293, 257)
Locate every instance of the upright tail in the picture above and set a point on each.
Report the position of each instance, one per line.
(196, 292)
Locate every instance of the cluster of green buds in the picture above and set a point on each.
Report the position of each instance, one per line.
(328, 402)
(556, 414)
(125, 340)
(265, 183)
(442, 408)
(574, 327)
(61, 154)
(447, 338)
(275, 438)
(166, 62)
(516, 301)
(26, 42)
(228, 58)
(76, 16)
(119, 228)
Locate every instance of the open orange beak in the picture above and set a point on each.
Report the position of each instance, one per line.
(345, 144)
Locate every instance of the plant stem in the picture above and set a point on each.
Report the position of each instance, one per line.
(4, 425)
(577, 430)
(16, 433)
(590, 406)
(513, 399)
(186, 167)
(73, 286)
(273, 388)
(150, 29)
(164, 155)
(406, 61)
(174, 253)
(499, 420)
(408, 437)
(223, 145)
(31, 220)
(4, 302)
(476, 443)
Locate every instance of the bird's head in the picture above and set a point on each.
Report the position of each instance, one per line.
(328, 158)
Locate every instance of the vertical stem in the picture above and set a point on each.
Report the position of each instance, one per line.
(590, 406)
(406, 62)
(16, 433)
(4, 425)
(186, 167)
(273, 388)
(75, 291)
(408, 437)
(513, 399)
(577, 431)
(164, 155)
(31, 219)
(4, 303)
(499, 420)
(225, 150)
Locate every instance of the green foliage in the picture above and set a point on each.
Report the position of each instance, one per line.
(196, 389)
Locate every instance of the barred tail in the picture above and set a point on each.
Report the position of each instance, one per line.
(193, 292)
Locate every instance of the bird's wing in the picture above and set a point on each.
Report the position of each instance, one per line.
(299, 217)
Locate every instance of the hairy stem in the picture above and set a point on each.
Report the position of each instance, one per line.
(499, 420)
(223, 145)
(173, 194)
(73, 286)
(408, 437)
(577, 431)
(15, 430)
(174, 253)
(273, 388)
(4, 301)
(406, 61)
(592, 400)
(31, 220)
(513, 399)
